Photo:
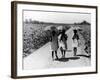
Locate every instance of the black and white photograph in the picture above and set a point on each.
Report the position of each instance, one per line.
(54, 39)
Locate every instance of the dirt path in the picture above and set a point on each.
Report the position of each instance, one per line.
(41, 59)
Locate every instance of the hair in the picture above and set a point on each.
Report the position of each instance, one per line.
(76, 36)
(75, 31)
(63, 31)
(53, 33)
(63, 35)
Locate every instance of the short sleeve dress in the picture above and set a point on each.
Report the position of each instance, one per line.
(54, 42)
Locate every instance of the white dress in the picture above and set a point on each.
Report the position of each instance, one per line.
(62, 43)
(75, 43)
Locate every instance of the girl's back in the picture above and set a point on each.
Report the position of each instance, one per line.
(75, 36)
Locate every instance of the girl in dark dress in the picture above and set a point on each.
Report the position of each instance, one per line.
(54, 43)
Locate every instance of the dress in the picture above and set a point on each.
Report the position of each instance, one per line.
(75, 43)
(75, 40)
(63, 43)
(54, 43)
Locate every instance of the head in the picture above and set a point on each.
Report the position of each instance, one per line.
(75, 31)
(63, 31)
(53, 28)
(53, 32)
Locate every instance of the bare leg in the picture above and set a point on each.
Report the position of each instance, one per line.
(75, 51)
(53, 55)
(61, 51)
(56, 54)
(64, 53)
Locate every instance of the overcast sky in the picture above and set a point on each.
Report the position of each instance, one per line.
(57, 17)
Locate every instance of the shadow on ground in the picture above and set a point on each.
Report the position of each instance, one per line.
(85, 56)
(67, 59)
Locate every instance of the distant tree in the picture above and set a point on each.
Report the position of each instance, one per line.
(75, 23)
(30, 20)
(36, 22)
(85, 22)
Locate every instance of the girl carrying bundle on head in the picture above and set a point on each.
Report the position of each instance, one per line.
(63, 42)
(75, 41)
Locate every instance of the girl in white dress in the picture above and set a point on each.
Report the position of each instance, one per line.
(75, 41)
(63, 43)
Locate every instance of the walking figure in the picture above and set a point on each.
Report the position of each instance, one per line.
(87, 44)
(63, 43)
(75, 41)
(54, 42)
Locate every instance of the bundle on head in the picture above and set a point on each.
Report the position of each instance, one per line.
(53, 28)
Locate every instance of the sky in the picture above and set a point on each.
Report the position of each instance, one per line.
(56, 17)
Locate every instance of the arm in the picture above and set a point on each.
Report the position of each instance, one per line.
(50, 38)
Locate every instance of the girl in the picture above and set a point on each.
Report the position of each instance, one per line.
(62, 43)
(75, 41)
(54, 42)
